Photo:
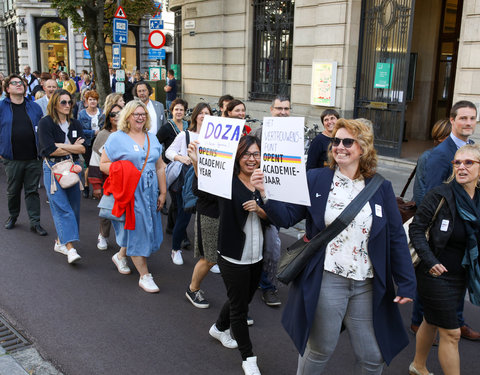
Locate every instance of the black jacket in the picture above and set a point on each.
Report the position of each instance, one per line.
(429, 251)
(50, 133)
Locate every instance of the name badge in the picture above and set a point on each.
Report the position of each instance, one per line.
(36, 129)
(444, 225)
(74, 133)
(378, 210)
(135, 148)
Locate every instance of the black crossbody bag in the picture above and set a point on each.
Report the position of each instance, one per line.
(297, 256)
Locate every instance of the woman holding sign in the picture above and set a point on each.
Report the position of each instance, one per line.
(353, 275)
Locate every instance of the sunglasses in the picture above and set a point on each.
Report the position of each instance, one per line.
(16, 83)
(113, 114)
(347, 142)
(66, 102)
(467, 163)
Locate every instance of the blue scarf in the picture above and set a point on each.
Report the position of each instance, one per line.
(469, 211)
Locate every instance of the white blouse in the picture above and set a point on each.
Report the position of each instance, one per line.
(347, 255)
(179, 145)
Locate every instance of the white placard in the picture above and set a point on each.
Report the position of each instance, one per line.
(218, 142)
(283, 160)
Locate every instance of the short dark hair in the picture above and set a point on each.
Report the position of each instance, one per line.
(45, 76)
(196, 111)
(6, 83)
(149, 88)
(233, 103)
(329, 112)
(224, 98)
(280, 98)
(243, 146)
(178, 101)
(461, 104)
(171, 72)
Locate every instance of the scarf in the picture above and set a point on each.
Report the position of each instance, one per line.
(469, 211)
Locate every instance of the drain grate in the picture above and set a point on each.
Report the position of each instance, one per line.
(10, 339)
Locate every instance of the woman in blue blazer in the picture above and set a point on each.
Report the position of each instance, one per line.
(349, 281)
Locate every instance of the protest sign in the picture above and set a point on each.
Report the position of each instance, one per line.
(283, 160)
(218, 142)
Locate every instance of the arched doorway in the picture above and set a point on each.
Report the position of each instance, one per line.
(53, 45)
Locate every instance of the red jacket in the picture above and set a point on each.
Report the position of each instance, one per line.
(122, 182)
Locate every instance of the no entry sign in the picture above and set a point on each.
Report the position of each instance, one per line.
(85, 45)
(156, 39)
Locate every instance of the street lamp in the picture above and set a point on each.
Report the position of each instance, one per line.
(21, 25)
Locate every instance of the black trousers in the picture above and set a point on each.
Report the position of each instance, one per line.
(26, 174)
(241, 282)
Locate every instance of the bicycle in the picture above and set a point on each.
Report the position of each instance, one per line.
(309, 135)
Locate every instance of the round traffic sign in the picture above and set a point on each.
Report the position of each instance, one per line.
(85, 45)
(156, 39)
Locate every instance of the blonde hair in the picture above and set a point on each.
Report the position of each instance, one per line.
(39, 94)
(111, 99)
(364, 136)
(127, 111)
(475, 150)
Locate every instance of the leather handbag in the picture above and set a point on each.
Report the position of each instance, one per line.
(415, 258)
(108, 201)
(66, 173)
(407, 208)
(297, 256)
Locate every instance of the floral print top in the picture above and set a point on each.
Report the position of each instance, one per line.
(347, 255)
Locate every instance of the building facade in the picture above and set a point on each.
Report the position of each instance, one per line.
(33, 34)
(399, 63)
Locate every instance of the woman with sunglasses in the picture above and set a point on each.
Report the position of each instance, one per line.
(452, 212)
(350, 280)
(240, 251)
(60, 138)
(95, 176)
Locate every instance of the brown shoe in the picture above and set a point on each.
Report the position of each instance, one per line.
(469, 334)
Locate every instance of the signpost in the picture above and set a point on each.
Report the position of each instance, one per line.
(116, 56)
(155, 24)
(156, 54)
(120, 31)
(156, 39)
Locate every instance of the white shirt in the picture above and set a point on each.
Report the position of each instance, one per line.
(347, 255)
(64, 126)
(179, 145)
(94, 120)
(153, 118)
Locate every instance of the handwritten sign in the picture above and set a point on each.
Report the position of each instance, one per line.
(283, 162)
(218, 140)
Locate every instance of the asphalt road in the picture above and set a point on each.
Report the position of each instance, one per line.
(89, 319)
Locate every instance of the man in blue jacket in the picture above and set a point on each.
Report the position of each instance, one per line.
(19, 118)
(463, 117)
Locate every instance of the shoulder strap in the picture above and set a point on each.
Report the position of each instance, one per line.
(408, 182)
(187, 137)
(148, 153)
(174, 126)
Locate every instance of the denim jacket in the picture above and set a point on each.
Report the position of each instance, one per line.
(34, 112)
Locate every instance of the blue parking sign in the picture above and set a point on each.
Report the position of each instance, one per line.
(120, 31)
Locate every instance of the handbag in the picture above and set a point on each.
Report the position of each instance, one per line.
(297, 256)
(415, 258)
(108, 201)
(407, 208)
(65, 173)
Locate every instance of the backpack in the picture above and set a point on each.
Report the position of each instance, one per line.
(189, 199)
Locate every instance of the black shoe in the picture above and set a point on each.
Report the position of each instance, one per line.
(185, 244)
(38, 229)
(86, 192)
(10, 223)
(270, 297)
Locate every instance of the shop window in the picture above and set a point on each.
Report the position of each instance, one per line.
(129, 60)
(53, 40)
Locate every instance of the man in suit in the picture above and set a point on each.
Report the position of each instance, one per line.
(49, 87)
(463, 117)
(142, 90)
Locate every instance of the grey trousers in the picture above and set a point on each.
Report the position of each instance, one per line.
(348, 301)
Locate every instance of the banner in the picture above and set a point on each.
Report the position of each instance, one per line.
(283, 160)
(218, 142)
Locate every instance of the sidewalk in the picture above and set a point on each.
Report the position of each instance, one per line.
(9, 366)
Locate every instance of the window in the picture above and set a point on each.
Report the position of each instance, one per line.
(129, 59)
(272, 48)
(53, 47)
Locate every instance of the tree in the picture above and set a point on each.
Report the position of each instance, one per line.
(95, 18)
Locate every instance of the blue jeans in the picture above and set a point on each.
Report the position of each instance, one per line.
(265, 283)
(417, 311)
(168, 103)
(181, 223)
(348, 301)
(65, 208)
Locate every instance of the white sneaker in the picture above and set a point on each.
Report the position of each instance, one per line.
(215, 269)
(59, 248)
(250, 366)
(224, 337)
(121, 264)
(102, 243)
(177, 257)
(147, 284)
(73, 255)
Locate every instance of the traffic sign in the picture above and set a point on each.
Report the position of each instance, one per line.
(120, 75)
(155, 24)
(120, 13)
(86, 54)
(120, 31)
(120, 87)
(85, 45)
(156, 39)
(116, 56)
(156, 54)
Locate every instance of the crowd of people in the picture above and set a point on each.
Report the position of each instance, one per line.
(126, 151)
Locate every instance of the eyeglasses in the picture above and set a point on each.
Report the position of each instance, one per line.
(282, 108)
(66, 102)
(16, 83)
(467, 163)
(247, 155)
(347, 142)
(113, 114)
(138, 115)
